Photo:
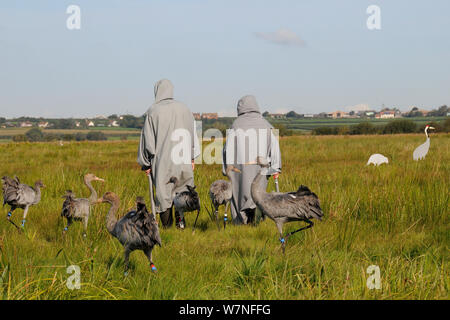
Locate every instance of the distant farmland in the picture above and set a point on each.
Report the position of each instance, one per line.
(111, 133)
(308, 124)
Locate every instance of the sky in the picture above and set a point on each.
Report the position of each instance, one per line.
(306, 56)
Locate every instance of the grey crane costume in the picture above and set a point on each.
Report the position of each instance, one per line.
(157, 144)
(238, 150)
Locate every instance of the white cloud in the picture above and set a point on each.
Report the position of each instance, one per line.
(282, 36)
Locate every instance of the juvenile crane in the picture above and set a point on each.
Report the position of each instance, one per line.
(79, 209)
(221, 192)
(185, 201)
(137, 230)
(422, 150)
(302, 205)
(19, 195)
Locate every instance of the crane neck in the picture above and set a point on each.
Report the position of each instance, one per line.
(93, 197)
(37, 190)
(111, 218)
(256, 188)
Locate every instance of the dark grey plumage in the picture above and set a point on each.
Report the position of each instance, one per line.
(79, 209)
(221, 192)
(301, 205)
(185, 201)
(137, 230)
(19, 195)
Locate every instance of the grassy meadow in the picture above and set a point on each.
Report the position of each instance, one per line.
(395, 216)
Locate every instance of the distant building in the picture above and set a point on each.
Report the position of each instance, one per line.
(338, 114)
(90, 123)
(26, 124)
(369, 114)
(309, 115)
(197, 116)
(385, 115)
(43, 124)
(277, 115)
(77, 124)
(210, 116)
(114, 123)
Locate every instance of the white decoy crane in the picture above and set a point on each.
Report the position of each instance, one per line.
(422, 150)
(377, 159)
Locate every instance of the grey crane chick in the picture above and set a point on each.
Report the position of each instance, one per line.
(79, 209)
(221, 192)
(185, 201)
(19, 195)
(137, 230)
(302, 205)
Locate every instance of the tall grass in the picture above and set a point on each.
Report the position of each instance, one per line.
(395, 216)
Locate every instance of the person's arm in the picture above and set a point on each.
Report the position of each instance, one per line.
(275, 156)
(227, 153)
(146, 149)
(195, 145)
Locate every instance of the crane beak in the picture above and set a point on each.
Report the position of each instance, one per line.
(100, 200)
(431, 128)
(236, 170)
(99, 179)
(251, 162)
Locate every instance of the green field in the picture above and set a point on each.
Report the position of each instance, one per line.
(395, 216)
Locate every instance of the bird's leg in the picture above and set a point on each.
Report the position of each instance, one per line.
(126, 259)
(85, 225)
(280, 231)
(284, 239)
(310, 225)
(69, 222)
(196, 218)
(148, 253)
(25, 212)
(216, 213)
(225, 217)
(8, 216)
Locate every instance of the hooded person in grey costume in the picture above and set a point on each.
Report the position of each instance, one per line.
(238, 151)
(159, 137)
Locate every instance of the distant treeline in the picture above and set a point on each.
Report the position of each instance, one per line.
(35, 135)
(395, 126)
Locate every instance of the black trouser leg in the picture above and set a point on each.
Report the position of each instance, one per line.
(250, 215)
(166, 218)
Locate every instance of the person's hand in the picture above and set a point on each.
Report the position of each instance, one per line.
(193, 165)
(147, 172)
(275, 175)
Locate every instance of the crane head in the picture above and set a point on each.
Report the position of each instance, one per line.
(233, 168)
(173, 180)
(39, 184)
(92, 177)
(109, 197)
